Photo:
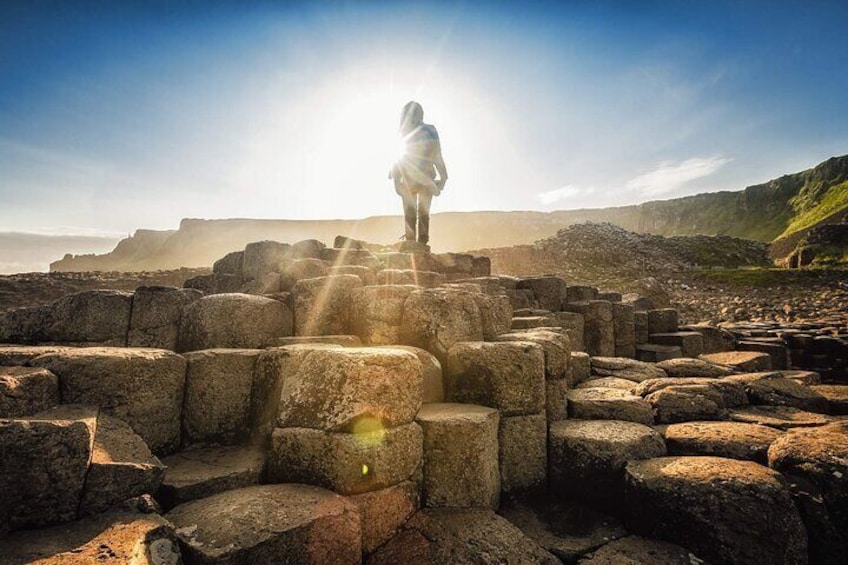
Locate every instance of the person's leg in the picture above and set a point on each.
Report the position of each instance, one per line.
(409, 210)
(425, 198)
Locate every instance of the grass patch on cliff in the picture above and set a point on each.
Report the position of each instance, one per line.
(833, 201)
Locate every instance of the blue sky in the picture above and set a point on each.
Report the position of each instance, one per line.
(117, 116)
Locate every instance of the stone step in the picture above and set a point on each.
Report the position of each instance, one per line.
(837, 398)
(426, 279)
(258, 524)
(741, 360)
(781, 417)
(637, 550)
(733, 440)
(691, 344)
(771, 389)
(608, 404)
(25, 391)
(528, 322)
(653, 353)
(460, 455)
(776, 350)
(199, 473)
(340, 340)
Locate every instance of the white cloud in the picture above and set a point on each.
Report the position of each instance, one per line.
(669, 176)
(563, 193)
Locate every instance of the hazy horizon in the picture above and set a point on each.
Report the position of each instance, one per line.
(120, 116)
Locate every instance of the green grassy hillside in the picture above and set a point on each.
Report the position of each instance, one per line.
(811, 210)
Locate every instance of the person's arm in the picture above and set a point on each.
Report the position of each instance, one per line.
(439, 163)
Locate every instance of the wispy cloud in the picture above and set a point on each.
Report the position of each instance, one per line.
(566, 192)
(668, 176)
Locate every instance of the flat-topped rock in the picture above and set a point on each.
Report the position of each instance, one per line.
(636, 550)
(815, 461)
(376, 312)
(19, 355)
(653, 353)
(550, 291)
(607, 382)
(564, 528)
(112, 538)
(781, 417)
(608, 404)
(259, 524)
(741, 360)
(579, 367)
(555, 345)
(624, 368)
(383, 512)
(199, 473)
(156, 315)
(143, 387)
(460, 455)
(25, 391)
(336, 389)
(91, 316)
(532, 322)
(688, 367)
(426, 279)
(437, 536)
(437, 319)
(733, 394)
(687, 402)
(322, 305)
(662, 320)
(691, 344)
(734, 440)
(772, 389)
(233, 320)
(808, 378)
(715, 507)
(43, 467)
(121, 467)
(587, 457)
(836, 395)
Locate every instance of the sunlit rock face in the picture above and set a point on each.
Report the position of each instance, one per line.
(322, 305)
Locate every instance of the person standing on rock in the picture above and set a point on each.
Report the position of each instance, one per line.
(415, 173)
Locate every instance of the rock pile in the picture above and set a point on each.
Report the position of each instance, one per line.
(332, 415)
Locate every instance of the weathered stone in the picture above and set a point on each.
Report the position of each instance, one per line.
(259, 524)
(556, 400)
(376, 313)
(216, 283)
(691, 344)
(121, 467)
(263, 257)
(654, 353)
(595, 381)
(360, 257)
(495, 314)
(773, 390)
(25, 325)
(523, 452)
(624, 330)
(230, 264)
(339, 340)
(269, 283)
(662, 320)
(25, 391)
(715, 340)
(92, 316)
(777, 351)
(815, 462)
(732, 394)
(415, 261)
(808, 378)
(156, 315)
(550, 291)
(454, 263)
(217, 402)
(637, 550)
(611, 296)
(143, 387)
(555, 345)
(573, 322)
(687, 367)
(685, 403)
(565, 528)
(436, 536)
(608, 404)
(598, 335)
(715, 506)
(20, 355)
(623, 368)
(293, 270)
(781, 417)
(578, 293)
(520, 298)
(587, 457)
(425, 279)
(434, 389)
(233, 320)
(346, 463)
(383, 512)
(579, 367)
(734, 440)
(43, 466)
(344, 389)
(110, 539)
(307, 249)
(640, 327)
(740, 360)
(367, 275)
(198, 473)
(532, 322)
(460, 455)
(509, 376)
(836, 395)
(322, 305)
